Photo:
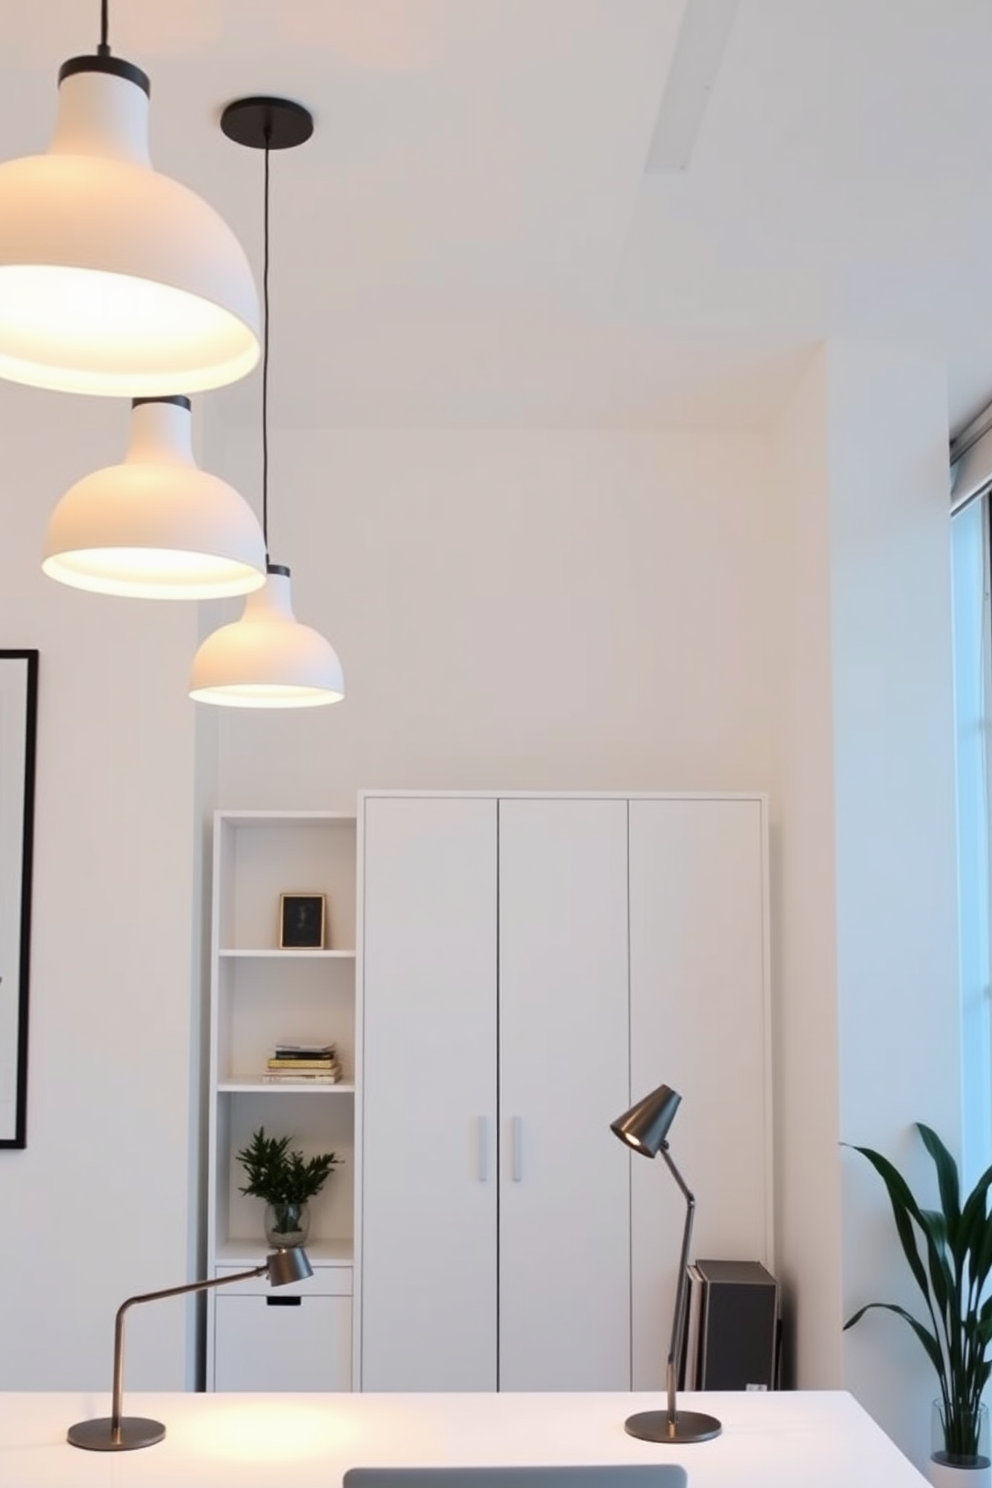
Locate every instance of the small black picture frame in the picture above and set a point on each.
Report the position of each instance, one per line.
(302, 918)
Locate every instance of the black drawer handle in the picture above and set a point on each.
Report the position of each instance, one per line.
(283, 1301)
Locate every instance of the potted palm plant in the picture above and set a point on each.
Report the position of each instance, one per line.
(949, 1253)
(286, 1181)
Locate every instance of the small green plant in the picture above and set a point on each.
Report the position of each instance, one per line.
(279, 1176)
(949, 1251)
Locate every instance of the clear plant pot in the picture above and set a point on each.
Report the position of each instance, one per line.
(287, 1224)
(959, 1448)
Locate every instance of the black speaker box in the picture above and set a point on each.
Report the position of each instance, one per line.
(738, 1314)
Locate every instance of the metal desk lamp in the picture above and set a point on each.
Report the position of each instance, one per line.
(117, 1433)
(645, 1128)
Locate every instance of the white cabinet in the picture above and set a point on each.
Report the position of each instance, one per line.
(531, 964)
(283, 1343)
(563, 1055)
(262, 995)
(429, 1095)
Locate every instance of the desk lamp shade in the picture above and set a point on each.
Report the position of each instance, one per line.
(120, 1433)
(645, 1128)
(283, 1266)
(115, 279)
(156, 526)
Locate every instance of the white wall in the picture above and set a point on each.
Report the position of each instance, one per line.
(803, 870)
(96, 1207)
(868, 1033)
(895, 832)
(543, 610)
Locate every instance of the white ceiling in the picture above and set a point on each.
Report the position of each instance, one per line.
(471, 237)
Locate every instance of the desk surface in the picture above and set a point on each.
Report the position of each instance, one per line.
(820, 1439)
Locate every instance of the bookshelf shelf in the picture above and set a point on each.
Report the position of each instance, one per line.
(247, 1252)
(271, 1087)
(264, 953)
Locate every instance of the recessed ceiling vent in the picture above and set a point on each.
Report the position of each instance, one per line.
(695, 64)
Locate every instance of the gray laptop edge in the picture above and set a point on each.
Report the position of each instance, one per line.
(614, 1475)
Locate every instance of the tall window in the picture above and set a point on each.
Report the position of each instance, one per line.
(973, 698)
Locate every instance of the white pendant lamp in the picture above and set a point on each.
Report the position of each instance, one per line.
(156, 526)
(115, 279)
(267, 659)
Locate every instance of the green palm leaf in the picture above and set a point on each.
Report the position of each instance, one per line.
(926, 1338)
(947, 1175)
(949, 1253)
(904, 1210)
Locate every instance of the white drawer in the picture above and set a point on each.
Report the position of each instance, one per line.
(303, 1346)
(326, 1281)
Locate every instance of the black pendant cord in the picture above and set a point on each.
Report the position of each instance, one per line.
(264, 123)
(103, 50)
(265, 356)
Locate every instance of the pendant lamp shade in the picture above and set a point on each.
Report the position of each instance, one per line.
(115, 279)
(267, 659)
(156, 526)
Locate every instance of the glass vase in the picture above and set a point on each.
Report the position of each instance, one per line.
(959, 1448)
(286, 1224)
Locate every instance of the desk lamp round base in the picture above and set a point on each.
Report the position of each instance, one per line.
(688, 1426)
(96, 1435)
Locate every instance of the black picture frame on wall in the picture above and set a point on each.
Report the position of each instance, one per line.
(18, 731)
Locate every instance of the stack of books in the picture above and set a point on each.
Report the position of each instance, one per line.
(299, 1064)
(733, 1328)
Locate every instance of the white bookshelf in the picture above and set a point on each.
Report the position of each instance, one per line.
(261, 995)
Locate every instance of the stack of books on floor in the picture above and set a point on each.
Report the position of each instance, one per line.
(302, 1064)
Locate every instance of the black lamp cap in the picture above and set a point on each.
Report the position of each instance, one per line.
(262, 123)
(116, 66)
(645, 1126)
(278, 568)
(179, 399)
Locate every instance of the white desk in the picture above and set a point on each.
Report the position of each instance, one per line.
(800, 1439)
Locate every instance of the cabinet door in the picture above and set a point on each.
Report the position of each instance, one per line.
(282, 1343)
(699, 1023)
(564, 1261)
(428, 1222)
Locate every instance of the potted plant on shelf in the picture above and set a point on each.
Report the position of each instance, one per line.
(949, 1252)
(286, 1181)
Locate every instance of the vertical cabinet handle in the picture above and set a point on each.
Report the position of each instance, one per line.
(517, 1149)
(482, 1128)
